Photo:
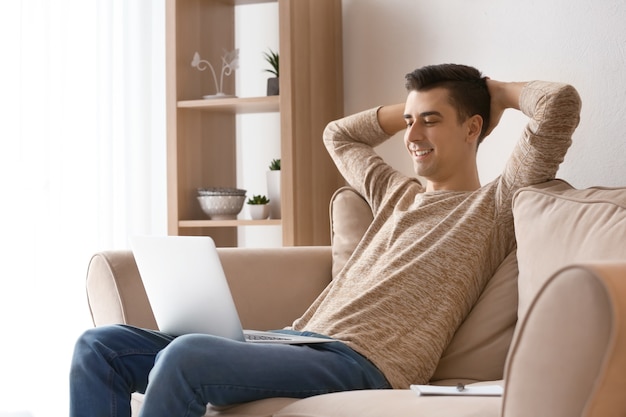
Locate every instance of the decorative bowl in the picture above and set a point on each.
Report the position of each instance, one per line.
(221, 203)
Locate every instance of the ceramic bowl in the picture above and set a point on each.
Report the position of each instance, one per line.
(221, 203)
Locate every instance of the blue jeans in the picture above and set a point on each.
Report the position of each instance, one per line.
(179, 376)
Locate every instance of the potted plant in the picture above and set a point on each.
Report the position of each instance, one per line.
(272, 83)
(275, 165)
(273, 188)
(259, 208)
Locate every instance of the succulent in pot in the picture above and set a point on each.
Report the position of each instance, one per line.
(258, 199)
(258, 206)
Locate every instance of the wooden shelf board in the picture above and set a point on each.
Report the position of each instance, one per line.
(242, 2)
(238, 105)
(228, 223)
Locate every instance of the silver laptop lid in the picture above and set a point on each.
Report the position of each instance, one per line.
(186, 285)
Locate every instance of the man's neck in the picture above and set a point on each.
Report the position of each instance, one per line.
(468, 183)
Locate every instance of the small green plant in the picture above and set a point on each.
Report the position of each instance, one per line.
(258, 199)
(275, 165)
(272, 58)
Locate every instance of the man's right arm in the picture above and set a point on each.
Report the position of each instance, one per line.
(350, 142)
(391, 118)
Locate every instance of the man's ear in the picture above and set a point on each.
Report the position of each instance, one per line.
(474, 127)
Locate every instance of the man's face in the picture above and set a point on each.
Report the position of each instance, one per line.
(435, 138)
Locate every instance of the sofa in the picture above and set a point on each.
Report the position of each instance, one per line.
(550, 325)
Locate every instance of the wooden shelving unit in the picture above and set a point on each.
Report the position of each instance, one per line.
(200, 133)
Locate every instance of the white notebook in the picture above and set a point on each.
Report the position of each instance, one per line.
(471, 390)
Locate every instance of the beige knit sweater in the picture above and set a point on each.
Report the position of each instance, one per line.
(427, 255)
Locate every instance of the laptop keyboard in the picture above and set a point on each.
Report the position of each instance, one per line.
(265, 337)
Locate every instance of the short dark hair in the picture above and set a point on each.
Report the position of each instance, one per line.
(466, 86)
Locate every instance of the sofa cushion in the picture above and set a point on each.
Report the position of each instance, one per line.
(260, 408)
(350, 216)
(479, 348)
(391, 403)
(556, 225)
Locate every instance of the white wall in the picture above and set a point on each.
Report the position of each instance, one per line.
(582, 43)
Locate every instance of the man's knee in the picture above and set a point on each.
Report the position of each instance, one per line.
(90, 348)
(186, 353)
(91, 338)
(181, 353)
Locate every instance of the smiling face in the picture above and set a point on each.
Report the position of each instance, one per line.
(443, 148)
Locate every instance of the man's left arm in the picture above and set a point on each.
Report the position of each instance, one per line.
(504, 95)
(554, 112)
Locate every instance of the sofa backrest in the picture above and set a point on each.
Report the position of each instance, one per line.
(479, 348)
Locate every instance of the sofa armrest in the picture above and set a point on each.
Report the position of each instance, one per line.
(115, 292)
(271, 287)
(569, 354)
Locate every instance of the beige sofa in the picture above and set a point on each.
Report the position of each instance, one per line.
(566, 356)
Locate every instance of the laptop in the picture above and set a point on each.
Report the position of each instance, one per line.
(188, 291)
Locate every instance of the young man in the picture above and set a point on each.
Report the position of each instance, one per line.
(409, 284)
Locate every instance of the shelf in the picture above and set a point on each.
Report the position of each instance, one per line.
(234, 105)
(228, 223)
(244, 2)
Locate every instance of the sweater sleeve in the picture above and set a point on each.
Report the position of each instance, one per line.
(554, 112)
(350, 142)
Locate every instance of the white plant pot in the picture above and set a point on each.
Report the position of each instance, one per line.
(259, 211)
(273, 193)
